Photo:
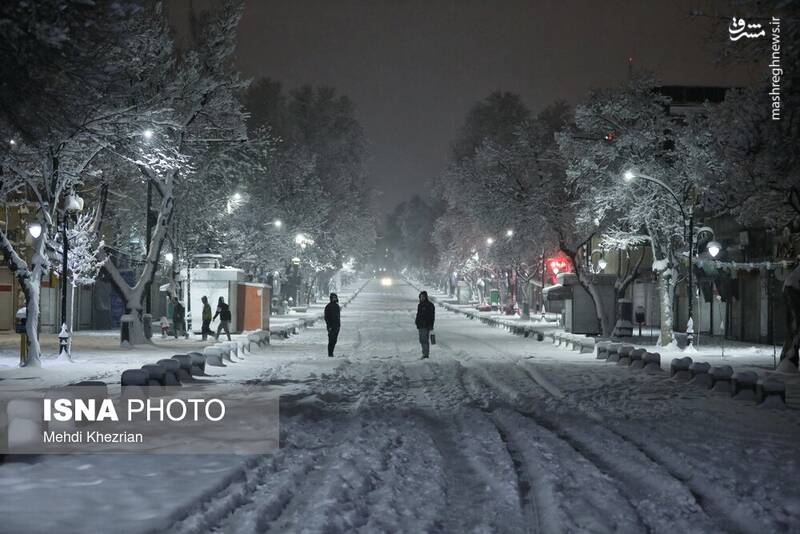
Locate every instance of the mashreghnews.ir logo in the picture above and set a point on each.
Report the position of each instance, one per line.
(739, 28)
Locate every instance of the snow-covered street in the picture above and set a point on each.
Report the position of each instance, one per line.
(495, 433)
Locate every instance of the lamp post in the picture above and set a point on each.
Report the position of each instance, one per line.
(688, 220)
(601, 263)
(72, 205)
(629, 176)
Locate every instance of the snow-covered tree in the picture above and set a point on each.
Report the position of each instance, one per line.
(643, 139)
(56, 115)
(311, 177)
(197, 92)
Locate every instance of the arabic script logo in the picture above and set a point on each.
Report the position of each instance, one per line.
(739, 28)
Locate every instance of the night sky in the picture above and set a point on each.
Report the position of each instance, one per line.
(414, 67)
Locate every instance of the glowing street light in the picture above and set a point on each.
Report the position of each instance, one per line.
(299, 239)
(602, 263)
(147, 134)
(278, 223)
(169, 256)
(35, 229)
(509, 233)
(489, 241)
(714, 248)
(629, 175)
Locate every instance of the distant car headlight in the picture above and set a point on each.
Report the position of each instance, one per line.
(386, 281)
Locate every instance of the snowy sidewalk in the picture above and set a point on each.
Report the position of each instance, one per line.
(740, 356)
(97, 355)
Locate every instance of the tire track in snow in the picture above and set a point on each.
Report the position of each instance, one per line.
(714, 509)
(556, 451)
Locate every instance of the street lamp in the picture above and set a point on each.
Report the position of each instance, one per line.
(509, 233)
(714, 248)
(628, 176)
(147, 134)
(35, 229)
(72, 205)
(489, 241)
(278, 223)
(601, 263)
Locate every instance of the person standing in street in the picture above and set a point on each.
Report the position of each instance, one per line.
(333, 322)
(224, 314)
(178, 317)
(206, 330)
(426, 314)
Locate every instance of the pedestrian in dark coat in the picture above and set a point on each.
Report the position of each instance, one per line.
(426, 315)
(178, 317)
(207, 317)
(333, 322)
(224, 313)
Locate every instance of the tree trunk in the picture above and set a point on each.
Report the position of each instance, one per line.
(605, 321)
(32, 289)
(30, 279)
(791, 297)
(666, 293)
(136, 328)
(133, 297)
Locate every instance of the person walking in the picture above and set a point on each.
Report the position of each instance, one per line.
(224, 314)
(426, 314)
(206, 330)
(178, 317)
(333, 322)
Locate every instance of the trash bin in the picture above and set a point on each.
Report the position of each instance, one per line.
(494, 299)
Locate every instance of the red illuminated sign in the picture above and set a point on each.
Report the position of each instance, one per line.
(558, 264)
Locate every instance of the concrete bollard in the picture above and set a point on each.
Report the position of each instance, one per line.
(700, 376)
(601, 349)
(722, 377)
(637, 358)
(135, 377)
(613, 352)
(171, 375)
(184, 361)
(213, 356)
(625, 355)
(745, 385)
(157, 373)
(254, 337)
(652, 362)
(539, 336)
(185, 369)
(773, 393)
(679, 368)
(198, 363)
